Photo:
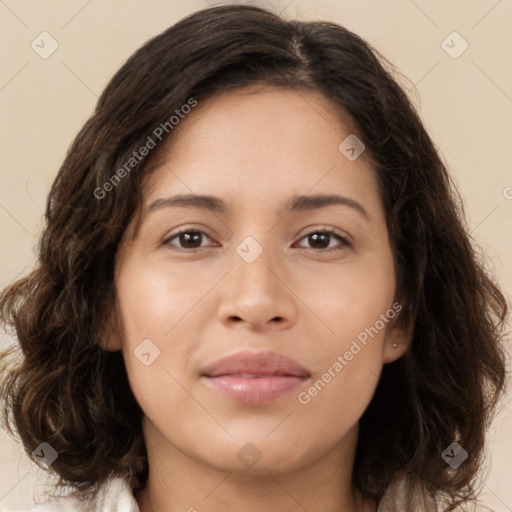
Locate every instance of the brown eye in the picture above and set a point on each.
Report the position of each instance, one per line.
(321, 240)
(188, 239)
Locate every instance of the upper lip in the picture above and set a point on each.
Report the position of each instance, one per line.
(260, 363)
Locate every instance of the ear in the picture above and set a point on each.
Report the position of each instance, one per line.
(110, 334)
(398, 339)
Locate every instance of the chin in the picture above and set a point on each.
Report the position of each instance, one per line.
(258, 457)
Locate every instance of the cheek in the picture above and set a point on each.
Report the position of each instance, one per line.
(355, 308)
(347, 364)
(153, 305)
(153, 299)
(348, 298)
(166, 303)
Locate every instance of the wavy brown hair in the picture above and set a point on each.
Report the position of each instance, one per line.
(67, 391)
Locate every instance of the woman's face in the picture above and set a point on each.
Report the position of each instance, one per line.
(268, 267)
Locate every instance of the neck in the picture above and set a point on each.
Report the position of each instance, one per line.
(178, 482)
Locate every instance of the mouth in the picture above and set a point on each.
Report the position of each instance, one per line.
(255, 378)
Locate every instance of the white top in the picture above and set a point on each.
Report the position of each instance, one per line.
(116, 495)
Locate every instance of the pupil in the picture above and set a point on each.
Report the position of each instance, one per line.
(185, 239)
(323, 238)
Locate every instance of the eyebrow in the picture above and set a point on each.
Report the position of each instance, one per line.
(296, 203)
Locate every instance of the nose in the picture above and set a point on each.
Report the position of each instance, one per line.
(257, 295)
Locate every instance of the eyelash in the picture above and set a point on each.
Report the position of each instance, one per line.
(344, 242)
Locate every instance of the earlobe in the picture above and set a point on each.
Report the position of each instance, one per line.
(397, 342)
(109, 338)
(110, 343)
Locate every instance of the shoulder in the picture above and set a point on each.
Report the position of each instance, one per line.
(115, 495)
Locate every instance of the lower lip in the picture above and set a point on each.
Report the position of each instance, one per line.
(255, 390)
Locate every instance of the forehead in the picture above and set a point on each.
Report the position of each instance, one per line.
(259, 138)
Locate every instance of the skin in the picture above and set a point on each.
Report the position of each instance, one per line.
(255, 149)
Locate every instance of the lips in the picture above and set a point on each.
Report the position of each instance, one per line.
(255, 378)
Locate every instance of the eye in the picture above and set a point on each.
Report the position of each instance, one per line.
(190, 238)
(321, 240)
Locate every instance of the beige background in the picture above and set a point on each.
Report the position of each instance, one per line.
(465, 102)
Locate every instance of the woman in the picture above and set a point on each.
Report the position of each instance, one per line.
(255, 288)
